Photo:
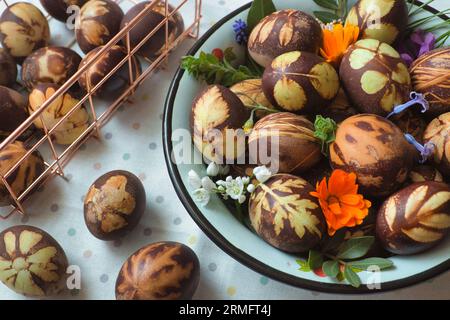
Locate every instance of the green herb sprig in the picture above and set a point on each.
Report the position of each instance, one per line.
(336, 9)
(325, 131)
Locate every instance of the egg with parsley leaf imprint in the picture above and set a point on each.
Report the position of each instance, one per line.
(375, 150)
(374, 77)
(251, 94)
(300, 82)
(284, 31)
(438, 133)
(415, 218)
(217, 117)
(285, 215)
(32, 263)
(383, 20)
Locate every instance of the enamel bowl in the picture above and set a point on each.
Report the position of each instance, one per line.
(219, 223)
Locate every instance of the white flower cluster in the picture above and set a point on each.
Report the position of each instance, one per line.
(234, 188)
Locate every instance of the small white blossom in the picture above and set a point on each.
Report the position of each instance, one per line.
(221, 183)
(246, 180)
(229, 178)
(242, 199)
(221, 188)
(208, 184)
(201, 196)
(262, 174)
(213, 169)
(251, 188)
(194, 180)
(224, 170)
(234, 188)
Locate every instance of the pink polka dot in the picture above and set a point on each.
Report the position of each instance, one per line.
(97, 166)
(87, 254)
(136, 125)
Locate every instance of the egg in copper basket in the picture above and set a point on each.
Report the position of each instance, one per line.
(72, 127)
(13, 111)
(284, 31)
(159, 271)
(114, 204)
(374, 77)
(425, 172)
(430, 75)
(285, 215)
(217, 118)
(383, 20)
(300, 82)
(23, 29)
(8, 69)
(155, 45)
(49, 65)
(251, 94)
(118, 82)
(438, 133)
(61, 9)
(415, 218)
(32, 262)
(99, 22)
(23, 176)
(285, 142)
(375, 150)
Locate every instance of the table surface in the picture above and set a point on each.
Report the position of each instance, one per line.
(132, 141)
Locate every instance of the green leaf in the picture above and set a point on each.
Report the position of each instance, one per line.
(303, 265)
(326, 16)
(328, 4)
(365, 263)
(259, 10)
(331, 268)
(352, 277)
(325, 131)
(315, 259)
(340, 277)
(355, 248)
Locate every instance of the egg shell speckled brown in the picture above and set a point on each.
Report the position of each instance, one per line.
(58, 8)
(118, 82)
(284, 31)
(430, 75)
(32, 262)
(99, 23)
(438, 132)
(423, 173)
(216, 112)
(340, 108)
(155, 45)
(374, 77)
(24, 175)
(13, 111)
(114, 204)
(159, 271)
(23, 29)
(415, 218)
(49, 65)
(375, 150)
(284, 214)
(286, 140)
(250, 93)
(300, 82)
(8, 69)
(384, 20)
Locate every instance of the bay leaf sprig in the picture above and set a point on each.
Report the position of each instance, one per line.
(336, 9)
(209, 68)
(344, 261)
(259, 10)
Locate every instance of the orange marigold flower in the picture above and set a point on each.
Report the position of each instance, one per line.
(341, 204)
(336, 39)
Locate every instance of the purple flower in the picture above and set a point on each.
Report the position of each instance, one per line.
(240, 30)
(416, 98)
(418, 43)
(425, 150)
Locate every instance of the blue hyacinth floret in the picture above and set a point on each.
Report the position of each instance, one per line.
(240, 30)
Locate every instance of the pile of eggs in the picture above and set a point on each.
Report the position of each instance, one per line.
(412, 200)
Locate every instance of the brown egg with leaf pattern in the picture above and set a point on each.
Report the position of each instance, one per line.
(375, 150)
(272, 141)
(415, 218)
(23, 29)
(438, 133)
(340, 108)
(99, 22)
(383, 20)
(300, 82)
(114, 204)
(423, 172)
(32, 263)
(62, 9)
(285, 215)
(8, 69)
(284, 31)
(250, 92)
(159, 271)
(374, 77)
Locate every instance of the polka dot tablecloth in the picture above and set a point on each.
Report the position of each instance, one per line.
(132, 141)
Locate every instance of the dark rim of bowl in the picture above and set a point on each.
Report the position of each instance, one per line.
(222, 242)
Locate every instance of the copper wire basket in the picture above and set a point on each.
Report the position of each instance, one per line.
(61, 155)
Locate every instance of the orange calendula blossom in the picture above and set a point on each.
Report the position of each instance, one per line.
(341, 204)
(336, 39)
